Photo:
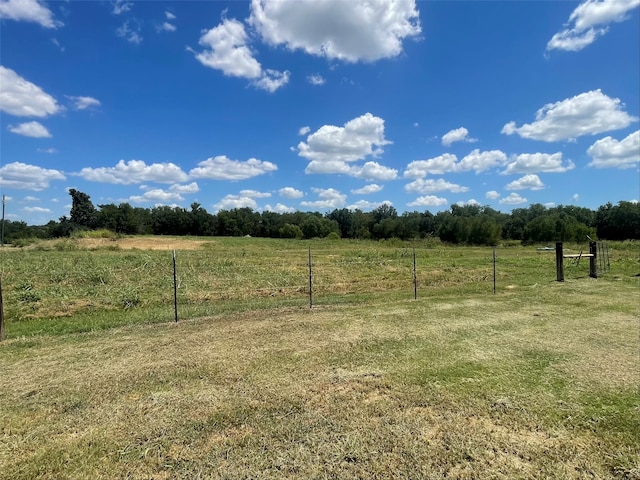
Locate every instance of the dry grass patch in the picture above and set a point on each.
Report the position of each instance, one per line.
(486, 387)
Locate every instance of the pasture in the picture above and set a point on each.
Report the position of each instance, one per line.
(539, 380)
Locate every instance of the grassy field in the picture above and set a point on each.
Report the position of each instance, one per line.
(539, 380)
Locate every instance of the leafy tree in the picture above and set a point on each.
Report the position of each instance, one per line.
(83, 213)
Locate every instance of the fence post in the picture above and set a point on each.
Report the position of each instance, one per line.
(415, 276)
(310, 281)
(1, 313)
(559, 263)
(494, 270)
(175, 288)
(593, 265)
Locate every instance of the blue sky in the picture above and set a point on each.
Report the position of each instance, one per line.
(287, 105)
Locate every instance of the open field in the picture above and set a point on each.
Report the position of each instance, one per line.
(538, 381)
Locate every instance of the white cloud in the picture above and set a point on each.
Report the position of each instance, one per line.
(135, 171)
(30, 129)
(30, 198)
(457, 135)
(131, 33)
(471, 201)
(121, 6)
(367, 206)
(272, 80)
(610, 153)
(36, 210)
(330, 148)
(166, 27)
(476, 161)
(373, 171)
(304, 131)
(428, 201)
(84, 103)
(492, 195)
(169, 15)
(479, 162)
(575, 197)
(430, 186)
(254, 194)
(47, 150)
(589, 21)
(538, 162)
(329, 199)
(530, 182)
(226, 49)
(28, 177)
(290, 192)
(189, 188)
(279, 208)
(435, 166)
(588, 113)
(28, 11)
(368, 189)
(513, 199)
(230, 202)
(223, 168)
(22, 98)
(316, 79)
(366, 30)
(157, 195)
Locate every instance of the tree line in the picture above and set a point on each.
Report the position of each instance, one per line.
(466, 224)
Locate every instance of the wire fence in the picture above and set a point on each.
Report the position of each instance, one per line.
(54, 285)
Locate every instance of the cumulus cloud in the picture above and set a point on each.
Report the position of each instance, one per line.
(366, 206)
(226, 49)
(223, 168)
(589, 21)
(316, 79)
(428, 201)
(513, 199)
(476, 161)
(290, 192)
(231, 202)
(167, 27)
(471, 201)
(36, 210)
(330, 149)
(458, 135)
(538, 162)
(588, 113)
(434, 166)
(492, 195)
(135, 171)
(157, 195)
(28, 177)
(366, 30)
(279, 208)
(254, 194)
(611, 153)
(84, 103)
(22, 98)
(30, 129)
(28, 11)
(304, 131)
(528, 182)
(185, 189)
(368, 189)
(430, 186)
(328, 198)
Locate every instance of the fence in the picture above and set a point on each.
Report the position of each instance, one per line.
(60, 286)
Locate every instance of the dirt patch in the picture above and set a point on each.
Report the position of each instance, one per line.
(143, 243)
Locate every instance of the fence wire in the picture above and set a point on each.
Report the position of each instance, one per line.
(41, 284)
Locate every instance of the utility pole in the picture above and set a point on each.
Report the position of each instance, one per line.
(2, 227)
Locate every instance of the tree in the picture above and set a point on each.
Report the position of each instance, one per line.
(83, 213)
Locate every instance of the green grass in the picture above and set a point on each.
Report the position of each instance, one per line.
(537, 381)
